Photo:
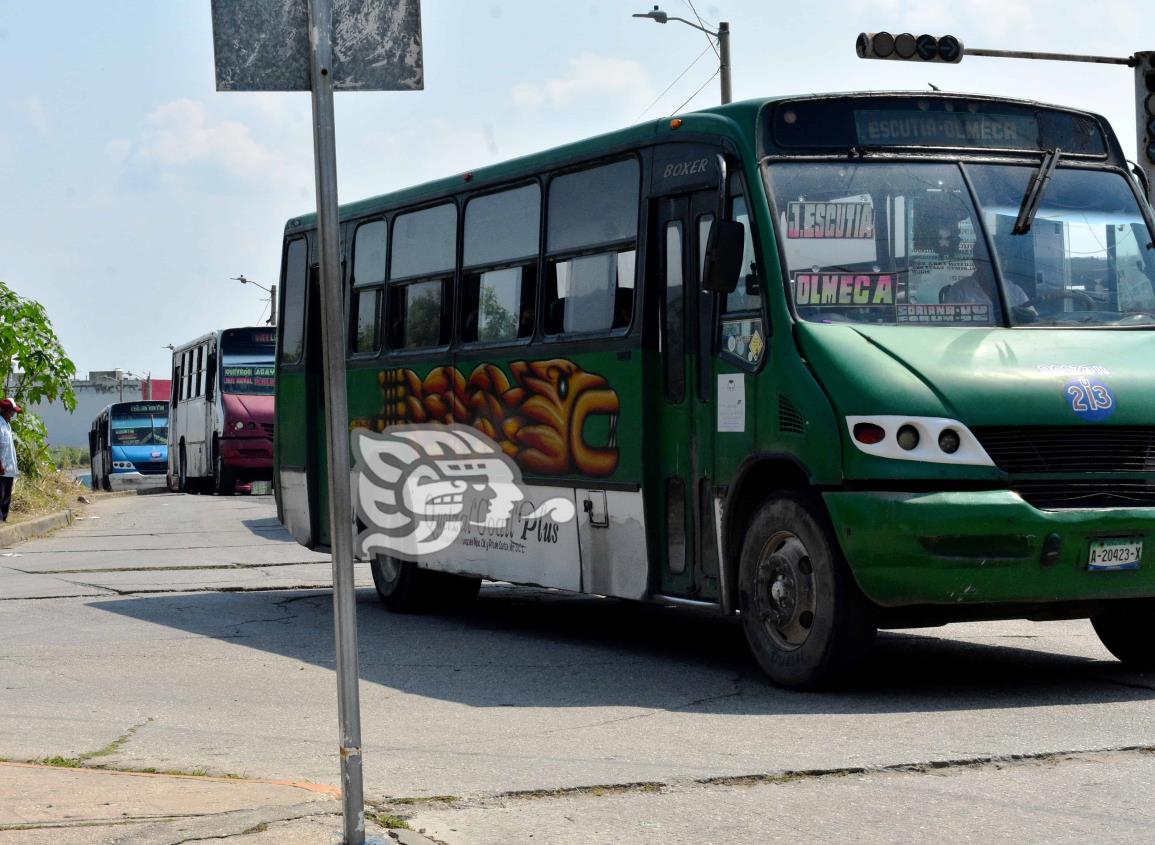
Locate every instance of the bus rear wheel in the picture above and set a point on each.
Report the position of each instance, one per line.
(1128, 632)
(183, 484)
(403, 587)
(805, 619)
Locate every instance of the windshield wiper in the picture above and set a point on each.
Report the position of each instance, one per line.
(1034, 196)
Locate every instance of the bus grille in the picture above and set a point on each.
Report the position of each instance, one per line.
(151, 467)
(1070, 448)
(1062, 495)
(267, 428)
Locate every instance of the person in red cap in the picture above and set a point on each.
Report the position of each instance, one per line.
(8, 469)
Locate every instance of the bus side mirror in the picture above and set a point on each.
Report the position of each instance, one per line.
(723, 256)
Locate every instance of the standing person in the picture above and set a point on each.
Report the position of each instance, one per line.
(8, 469)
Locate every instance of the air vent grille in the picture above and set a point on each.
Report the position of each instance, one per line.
(790, 419)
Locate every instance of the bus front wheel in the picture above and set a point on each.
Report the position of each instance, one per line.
(223, 479)
(405, 588)
(804, 617)
(1128, 632)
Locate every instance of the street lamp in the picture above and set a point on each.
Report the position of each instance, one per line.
(723, 36)
(271, 291)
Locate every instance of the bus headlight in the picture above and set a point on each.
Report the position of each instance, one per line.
(238, 425)
(935, 440)
(123, 465)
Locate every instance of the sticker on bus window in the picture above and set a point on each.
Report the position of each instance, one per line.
(844, 289)
(742, 338)
(966, 312)
(831, 220)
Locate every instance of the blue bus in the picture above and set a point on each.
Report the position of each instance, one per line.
(128, 446)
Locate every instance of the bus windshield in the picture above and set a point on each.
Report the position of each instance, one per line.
(139, 430)
(904, 243)
(247, 361)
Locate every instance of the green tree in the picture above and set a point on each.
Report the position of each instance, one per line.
(35, 369)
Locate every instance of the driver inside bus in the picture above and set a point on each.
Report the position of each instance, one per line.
(977, 286)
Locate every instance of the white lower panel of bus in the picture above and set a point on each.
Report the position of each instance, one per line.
(601, 551)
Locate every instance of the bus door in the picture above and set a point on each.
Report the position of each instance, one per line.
(683, 449)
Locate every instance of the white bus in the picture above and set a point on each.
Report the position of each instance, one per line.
(221, 412)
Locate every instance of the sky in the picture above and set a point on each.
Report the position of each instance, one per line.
(131, 191)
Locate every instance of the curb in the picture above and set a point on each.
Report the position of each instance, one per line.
(10, 535)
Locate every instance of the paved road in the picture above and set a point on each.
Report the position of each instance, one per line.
(191, 634)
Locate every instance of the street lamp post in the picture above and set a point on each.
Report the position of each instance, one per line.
(723, 36)
(271, 291)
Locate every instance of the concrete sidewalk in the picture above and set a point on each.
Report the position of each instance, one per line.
(48, 804)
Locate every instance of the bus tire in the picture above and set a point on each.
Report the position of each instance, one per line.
(223, 480)
(401, 586)
(805, 619)
(182, 481)
(1128, 632)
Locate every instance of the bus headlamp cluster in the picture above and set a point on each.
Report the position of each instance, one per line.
(935, 440)
(904, 46)
(240, 425)
(123, 465)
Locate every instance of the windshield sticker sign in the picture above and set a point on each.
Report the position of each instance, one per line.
(1090, 398)
(247, 376)
(843, 289)
(834, 220)
(972, 312)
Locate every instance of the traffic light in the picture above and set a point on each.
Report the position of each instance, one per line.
(1145, 113)
(905, 47)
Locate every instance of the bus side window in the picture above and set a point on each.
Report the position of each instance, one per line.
(294, 289)
(747, 296)
(422, 262)
(369, 247)
(500, 258)
(591, 246)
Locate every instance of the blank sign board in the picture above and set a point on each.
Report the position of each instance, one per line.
(263, 45)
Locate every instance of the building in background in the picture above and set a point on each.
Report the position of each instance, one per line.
(101, 388)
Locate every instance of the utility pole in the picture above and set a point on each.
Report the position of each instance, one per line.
(723, 36)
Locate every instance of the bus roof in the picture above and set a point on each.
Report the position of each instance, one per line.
(743, 114)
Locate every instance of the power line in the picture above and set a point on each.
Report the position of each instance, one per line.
(702, 23)
(696, 93)
(672, 84)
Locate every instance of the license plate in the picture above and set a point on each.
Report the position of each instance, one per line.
(1110, 553)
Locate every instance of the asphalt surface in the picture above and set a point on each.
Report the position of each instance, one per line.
(190, 634)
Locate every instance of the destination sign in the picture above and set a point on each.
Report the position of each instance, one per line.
(946, 129)
(937, 121)
(146, 408)
(843, 289)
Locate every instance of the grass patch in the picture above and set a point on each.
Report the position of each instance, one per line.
(389, 820)
(61, 762)
(257, 828)
(51, 492)
(427, 799)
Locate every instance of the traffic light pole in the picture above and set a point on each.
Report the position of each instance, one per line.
(927, 48)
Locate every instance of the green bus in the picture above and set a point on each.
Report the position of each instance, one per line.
(827, 363)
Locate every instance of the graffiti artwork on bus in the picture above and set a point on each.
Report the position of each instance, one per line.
(538, 419)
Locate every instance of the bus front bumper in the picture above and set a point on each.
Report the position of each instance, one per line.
(984, 547)
(248, 458)
(136, 481)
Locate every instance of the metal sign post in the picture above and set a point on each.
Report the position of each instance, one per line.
(264, 45)
(336, 420)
